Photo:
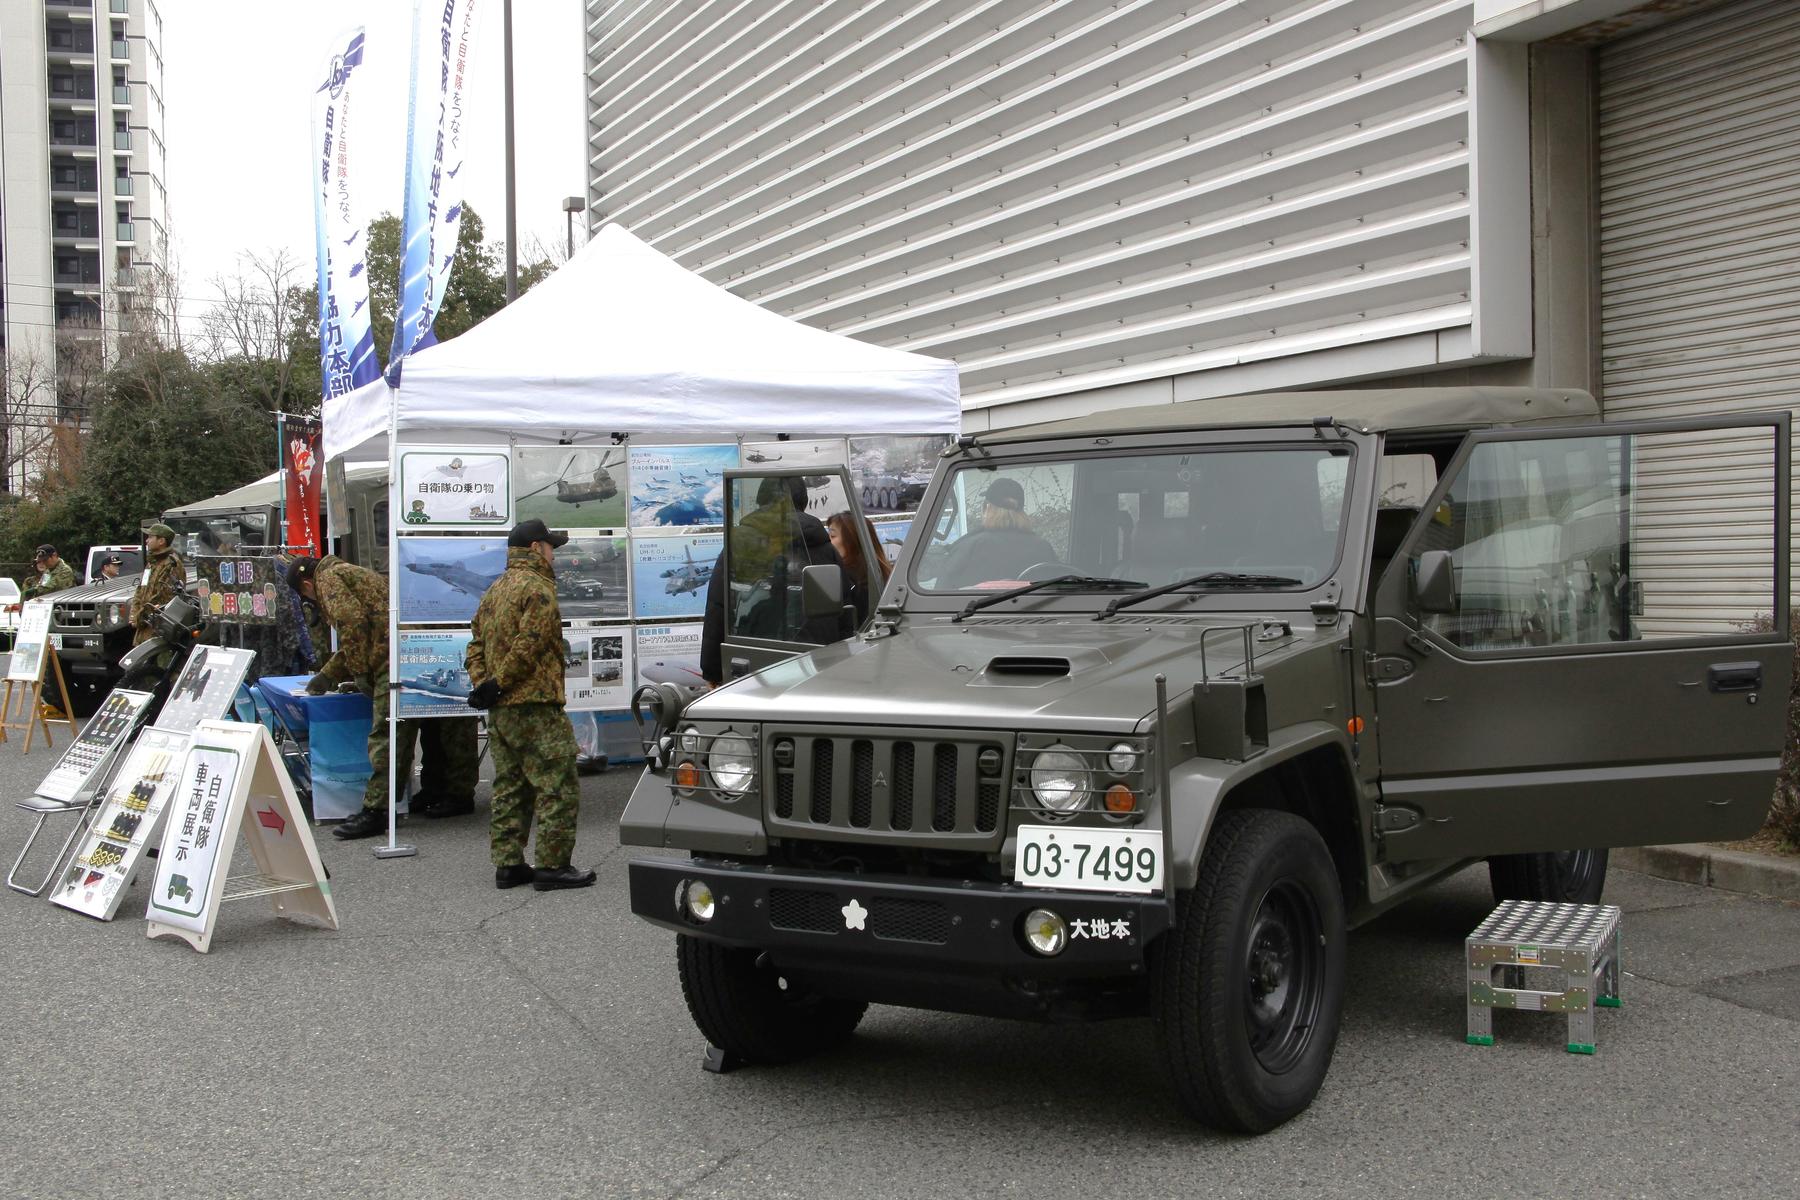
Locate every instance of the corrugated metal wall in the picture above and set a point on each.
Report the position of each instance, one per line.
(1700, 277)
(1049, 190)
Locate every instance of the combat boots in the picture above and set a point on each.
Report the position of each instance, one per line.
(367, 822)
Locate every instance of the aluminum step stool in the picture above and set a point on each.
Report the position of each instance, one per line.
(1581, 940)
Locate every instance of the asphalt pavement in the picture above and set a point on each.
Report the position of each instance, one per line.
(456, 1040)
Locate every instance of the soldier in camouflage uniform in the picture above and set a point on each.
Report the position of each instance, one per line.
(53, 574)
(515, 662)
(164, 575)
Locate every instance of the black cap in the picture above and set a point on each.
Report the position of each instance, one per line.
(301, 570)
(45, 551)
(113, 560)
(1006, 493)
(527, 532)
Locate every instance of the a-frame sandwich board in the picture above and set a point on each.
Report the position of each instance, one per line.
(232, 782)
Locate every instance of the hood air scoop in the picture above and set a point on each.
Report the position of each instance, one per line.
(1037, 666)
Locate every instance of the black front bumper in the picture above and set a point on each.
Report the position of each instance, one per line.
(924, 944)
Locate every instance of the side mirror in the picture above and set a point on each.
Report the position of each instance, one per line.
(821, 591)
(1436, 582)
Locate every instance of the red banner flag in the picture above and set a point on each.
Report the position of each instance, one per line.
(305, 481)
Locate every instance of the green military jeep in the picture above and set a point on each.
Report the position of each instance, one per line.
(1159, 703)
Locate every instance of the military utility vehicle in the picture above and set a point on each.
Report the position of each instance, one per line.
(1158, 703)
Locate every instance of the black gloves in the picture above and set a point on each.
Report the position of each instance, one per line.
(485, 695)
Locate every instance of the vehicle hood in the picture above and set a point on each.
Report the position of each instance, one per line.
(1079, 674)
(99, 591)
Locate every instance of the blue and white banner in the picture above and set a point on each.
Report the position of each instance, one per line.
(437, 126)
(346, 343)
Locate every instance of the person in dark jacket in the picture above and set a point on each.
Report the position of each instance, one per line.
(1003, 547)
(781, 536)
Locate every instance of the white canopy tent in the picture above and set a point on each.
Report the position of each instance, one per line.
(623, 339)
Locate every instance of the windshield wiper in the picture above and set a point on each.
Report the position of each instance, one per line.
(1092, 581)
(1211, 579)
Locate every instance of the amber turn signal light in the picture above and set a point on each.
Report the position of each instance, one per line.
(687, 775)
(1119, 799)
(1354, 725)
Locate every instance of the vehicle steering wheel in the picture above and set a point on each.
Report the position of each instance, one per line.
(1047, 570)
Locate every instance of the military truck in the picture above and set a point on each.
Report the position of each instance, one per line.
(1159, 703)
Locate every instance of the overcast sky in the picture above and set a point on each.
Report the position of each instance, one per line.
(239, 77)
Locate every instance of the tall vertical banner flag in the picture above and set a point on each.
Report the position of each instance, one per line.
(437, 129)
(302, 465)
(346, 342)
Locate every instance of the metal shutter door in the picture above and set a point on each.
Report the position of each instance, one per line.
(1700, 278)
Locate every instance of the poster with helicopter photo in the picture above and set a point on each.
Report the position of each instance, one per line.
(824, 493)
(669, 574)
(673, 486)
(567, 487)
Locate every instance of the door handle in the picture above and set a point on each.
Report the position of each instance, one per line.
(1734, 677)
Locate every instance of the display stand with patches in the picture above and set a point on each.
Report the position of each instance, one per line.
(231, 770)
(73, 784)
(25, 677)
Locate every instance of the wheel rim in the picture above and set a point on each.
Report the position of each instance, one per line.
(1574, 869)
(1284, 976)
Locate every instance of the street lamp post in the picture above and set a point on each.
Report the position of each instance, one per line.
(571, 206)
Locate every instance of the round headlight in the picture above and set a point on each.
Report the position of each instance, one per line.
(732, 761)
(1122, 759)
(1046, 932)
(1059, 779)
(698, 900)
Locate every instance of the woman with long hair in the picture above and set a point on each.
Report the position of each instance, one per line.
(842, 527)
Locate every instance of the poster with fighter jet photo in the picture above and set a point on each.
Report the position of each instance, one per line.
(669, 574)
(672, 486)
(442, 578)
(571, 487)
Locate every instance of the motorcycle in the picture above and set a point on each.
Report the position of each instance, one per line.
(154, 664)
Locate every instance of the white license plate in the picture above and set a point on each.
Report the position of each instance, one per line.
(1089, 860)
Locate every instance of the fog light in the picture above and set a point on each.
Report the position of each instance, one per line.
(687, 776)
(1046, 932)
(697, 899)
(1120, 799)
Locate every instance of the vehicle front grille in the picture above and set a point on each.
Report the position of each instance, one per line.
(891, 919)
(944, 788)
(74, 616)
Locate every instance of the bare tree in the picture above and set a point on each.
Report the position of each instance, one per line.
(253, 315)
(28, 415)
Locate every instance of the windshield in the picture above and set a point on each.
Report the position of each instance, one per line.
(224, 533)
(1152, 518)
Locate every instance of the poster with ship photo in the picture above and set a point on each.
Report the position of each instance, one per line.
(669, 574)
(453, 485)
(570, 486)
(669, 654)
(442, 578)
(824, 493)
(890, 473)
(591, 578)
(672, 486)
(429, 674)
(597, 665)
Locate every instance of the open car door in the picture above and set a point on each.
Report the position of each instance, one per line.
(1588, 644)
(784, 589)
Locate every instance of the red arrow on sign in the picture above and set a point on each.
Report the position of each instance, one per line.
(271, 820)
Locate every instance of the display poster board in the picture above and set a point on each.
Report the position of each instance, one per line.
(670, 573)
(206, 688)
(597, 665)
(86, 758)
(592, 578)
(824, 493)
(455, 485)
(129, 819)
(890, 474)
(429, 673)
(30, 643)
(239, 591)
(674, 486)
(442, 579)
(232, 783)
(669, 654)
(891, 533)
(584, 487)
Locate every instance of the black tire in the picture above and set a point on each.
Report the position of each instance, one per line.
(749, 1011)
(1566, 876)
(1249, 985)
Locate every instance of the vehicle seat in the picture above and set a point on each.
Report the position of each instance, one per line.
(1391, 525)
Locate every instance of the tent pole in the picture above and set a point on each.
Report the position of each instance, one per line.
(393, 849)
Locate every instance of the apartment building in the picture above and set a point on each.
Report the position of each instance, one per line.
(83, 205)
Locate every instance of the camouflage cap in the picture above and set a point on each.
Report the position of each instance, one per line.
(160, 530)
